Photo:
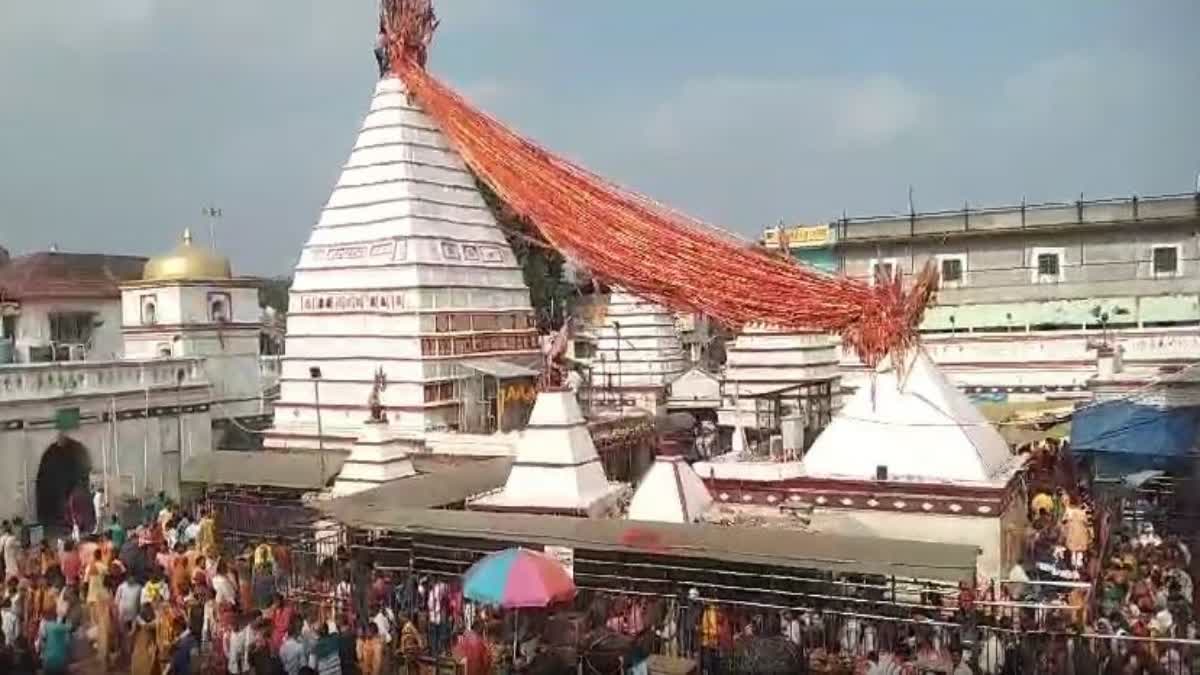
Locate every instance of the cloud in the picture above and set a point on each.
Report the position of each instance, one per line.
(815, 113)
(122, 117)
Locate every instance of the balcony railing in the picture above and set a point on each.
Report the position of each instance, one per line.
(43, 381)
(1109, 211)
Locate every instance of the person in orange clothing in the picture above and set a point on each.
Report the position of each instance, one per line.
(178, 573)
(42, 599)
(47, 560)
(370, 651)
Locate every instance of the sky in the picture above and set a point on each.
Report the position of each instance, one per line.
(121, 119)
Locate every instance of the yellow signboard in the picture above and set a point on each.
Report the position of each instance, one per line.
(804, 236)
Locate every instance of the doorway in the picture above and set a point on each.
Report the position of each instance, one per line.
(64, 469)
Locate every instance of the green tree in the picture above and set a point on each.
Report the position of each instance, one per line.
(274, 293)
(542, 266)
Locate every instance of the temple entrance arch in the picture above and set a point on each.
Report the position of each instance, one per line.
(65, 467)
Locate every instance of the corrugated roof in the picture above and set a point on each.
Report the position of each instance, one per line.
(441, 486)
(295, 470)
(763, 546)
(50, 275)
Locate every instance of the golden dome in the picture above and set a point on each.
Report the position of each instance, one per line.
(187, 262)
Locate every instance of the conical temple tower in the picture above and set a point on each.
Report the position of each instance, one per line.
(406, 271)
(557, 469)
(637, 351)
(764, 360)
(670, 492)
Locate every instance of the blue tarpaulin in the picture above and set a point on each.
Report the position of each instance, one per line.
(1124, 437)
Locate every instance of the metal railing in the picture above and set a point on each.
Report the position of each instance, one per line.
(1019, 217)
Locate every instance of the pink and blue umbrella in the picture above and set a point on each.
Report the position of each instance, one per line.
(516, 578)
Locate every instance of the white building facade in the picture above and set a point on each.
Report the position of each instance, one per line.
(406, 273)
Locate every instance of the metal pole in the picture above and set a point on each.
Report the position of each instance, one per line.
(145, 437)
(179, 431)
(620, 374)
(116, 432)
(316, 378)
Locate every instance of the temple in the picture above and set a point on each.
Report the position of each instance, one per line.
(635, 351)
(557, 469)
(908, 456)
(670, 492)
(406, 271)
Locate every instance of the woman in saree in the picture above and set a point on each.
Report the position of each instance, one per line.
(99, 603)
(144, 654)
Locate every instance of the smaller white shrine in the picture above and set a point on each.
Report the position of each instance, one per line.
(670, 492)
(637, 351)
(557, 469)
(378, 456)
(910, 457)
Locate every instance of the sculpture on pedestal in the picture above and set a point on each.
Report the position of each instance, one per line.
(374, 402)
(554, 348)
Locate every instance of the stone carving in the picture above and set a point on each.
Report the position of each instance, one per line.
(378, 414)
(554, 348)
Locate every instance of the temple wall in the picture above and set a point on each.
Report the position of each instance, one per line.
(984, 532)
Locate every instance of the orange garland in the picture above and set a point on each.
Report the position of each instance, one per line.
(635, 242)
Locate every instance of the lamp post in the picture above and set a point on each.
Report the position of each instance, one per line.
(179, 377)
(315, 373)
(620, 374)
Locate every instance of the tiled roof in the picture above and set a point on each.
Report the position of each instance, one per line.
(50, 275)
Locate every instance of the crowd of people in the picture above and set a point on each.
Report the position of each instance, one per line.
(167, 595)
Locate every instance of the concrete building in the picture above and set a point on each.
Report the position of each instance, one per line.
(63, 306)
(181, 358)
(1029, 291)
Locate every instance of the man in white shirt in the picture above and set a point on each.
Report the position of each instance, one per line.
(99, 502)
(129, 601)
(9, 622)
(791, 628)
(10, 549)
(237, 647)
(5, 536)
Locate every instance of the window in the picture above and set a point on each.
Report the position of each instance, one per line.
(882, 268)
(72, 327)
(149, 310)
(485, 322)
(952, 269)
(219, 307)
(1047, 265)
(584, 349)
(10, 326)
(460, 322)
(1166, 261)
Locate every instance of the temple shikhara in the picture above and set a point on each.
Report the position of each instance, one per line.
(491, 355)
(405, 271)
